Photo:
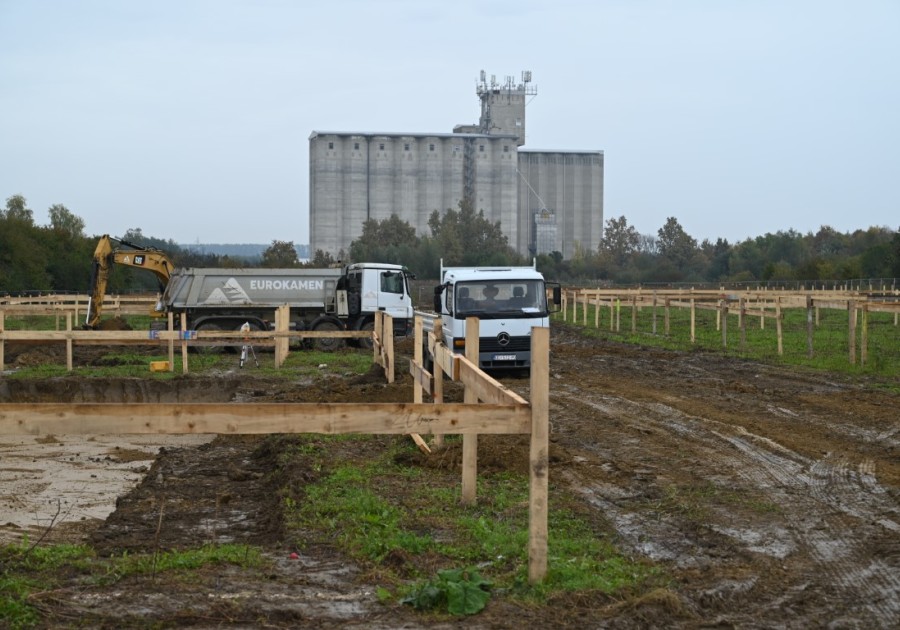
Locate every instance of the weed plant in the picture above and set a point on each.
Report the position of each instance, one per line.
(408, 525)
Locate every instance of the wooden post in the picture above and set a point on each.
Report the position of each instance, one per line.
(438, 377)
(667, 317)
(69, 362)
(597, 309)
(762, 313)
(584, 310)
(742, 322)
(376, 342)
(171, 328)
(693, 322)
(184, 344)
(417, 388)
(851, 306)
(388, 325)
(2, 342)
(864, 335)
(575, 306)
(634, 314)
(539, 459)
(470, 441)
(779, 327)
(612, 314)
(654, 313)
(618, 314)
(279, 327)
(565, 304)
(809, 327)
(723, 318)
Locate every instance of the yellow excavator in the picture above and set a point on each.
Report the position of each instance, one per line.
(129, 255)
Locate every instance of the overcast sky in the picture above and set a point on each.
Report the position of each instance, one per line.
(190, 119)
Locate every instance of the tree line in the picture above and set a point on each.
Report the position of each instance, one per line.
(57, 257)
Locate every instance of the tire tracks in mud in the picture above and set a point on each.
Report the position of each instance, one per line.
(831, 532)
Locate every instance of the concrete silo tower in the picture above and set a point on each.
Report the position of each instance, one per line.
(503, 105)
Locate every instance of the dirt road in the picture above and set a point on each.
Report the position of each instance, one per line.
(770, 495)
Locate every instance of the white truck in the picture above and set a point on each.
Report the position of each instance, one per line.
(508, 301)
(320, 299)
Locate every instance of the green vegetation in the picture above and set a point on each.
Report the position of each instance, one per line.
(423, 544)
(27, 570)
(130, 364)
(57, 257)
(830, 337)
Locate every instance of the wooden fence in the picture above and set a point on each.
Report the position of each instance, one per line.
(170, 338)
(488, 408)
(744, 307)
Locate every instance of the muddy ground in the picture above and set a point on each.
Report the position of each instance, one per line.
(770, 495)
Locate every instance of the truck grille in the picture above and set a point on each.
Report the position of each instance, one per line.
(516, 344)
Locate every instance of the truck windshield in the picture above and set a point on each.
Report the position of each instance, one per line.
(506, 297)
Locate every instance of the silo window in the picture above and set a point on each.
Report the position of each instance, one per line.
(481, 148)
(431, 147)
(331, 145)
(506, 148)
(381, 146)
(406, 147)
(356, 146)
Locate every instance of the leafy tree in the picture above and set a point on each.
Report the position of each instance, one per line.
(69, 266)
(619, 242)
(64, 222)
(465, 238)
(716, 259)
(17, 210)
(391, 240)
(280, 254)
(678, 252)
(23, 253)
(321, 259)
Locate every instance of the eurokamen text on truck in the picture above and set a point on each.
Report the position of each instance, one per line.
(508, 301)
(328, 299)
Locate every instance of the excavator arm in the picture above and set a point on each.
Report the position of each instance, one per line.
(131, 255)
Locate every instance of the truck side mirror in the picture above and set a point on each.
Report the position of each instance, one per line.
(557, 294)
(437, 298)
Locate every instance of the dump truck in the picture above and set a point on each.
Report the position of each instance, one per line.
(508, 301)
(331, 299)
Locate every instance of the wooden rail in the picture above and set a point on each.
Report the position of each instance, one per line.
(169, 338)
(482, 389)
(764, 305)
(488, 408)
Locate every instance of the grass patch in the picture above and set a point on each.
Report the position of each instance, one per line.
(25, 571)
(830, 338)
(131, 364)
(407, 525)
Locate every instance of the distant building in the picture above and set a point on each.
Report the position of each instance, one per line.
(545, 201)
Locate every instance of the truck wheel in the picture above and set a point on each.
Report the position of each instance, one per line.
(366, 342)
(210, 349)
(327, 344)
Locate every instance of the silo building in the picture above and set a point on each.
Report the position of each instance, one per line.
(545, 201)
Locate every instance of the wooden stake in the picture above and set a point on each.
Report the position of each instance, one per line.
(539, 458)
(69, 342)
(470, 441)
(171, 327)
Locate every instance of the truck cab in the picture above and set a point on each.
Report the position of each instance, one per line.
(508, 301)
(372, 287)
